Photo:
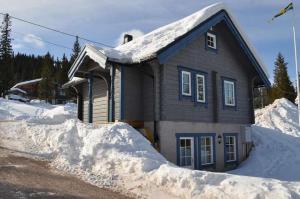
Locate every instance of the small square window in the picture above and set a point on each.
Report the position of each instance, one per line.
(211, 41)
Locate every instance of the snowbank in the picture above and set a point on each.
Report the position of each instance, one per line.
(119, 157)
(281, 116)
(277, 143)
(35, 110)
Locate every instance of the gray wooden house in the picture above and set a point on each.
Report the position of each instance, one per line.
(189, 84)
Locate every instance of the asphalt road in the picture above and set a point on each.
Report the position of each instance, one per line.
(27, 178)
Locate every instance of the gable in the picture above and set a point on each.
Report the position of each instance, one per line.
(222, 16)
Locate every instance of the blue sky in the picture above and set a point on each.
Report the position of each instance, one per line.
(106, 20)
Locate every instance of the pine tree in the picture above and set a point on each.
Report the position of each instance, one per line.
(6, 55)
(46, 86)
(76, 50)
(63, 73)
(282, 86)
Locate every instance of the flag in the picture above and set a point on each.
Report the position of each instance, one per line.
(284, 10)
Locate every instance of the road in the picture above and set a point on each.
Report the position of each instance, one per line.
(27, 178)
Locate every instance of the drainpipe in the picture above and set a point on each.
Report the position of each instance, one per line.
(112, 96)
(90, 82)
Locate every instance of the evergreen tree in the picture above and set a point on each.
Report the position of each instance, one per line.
(6, 55)
(63, 72)
(76, 50)
(282, 87)
(46, 86)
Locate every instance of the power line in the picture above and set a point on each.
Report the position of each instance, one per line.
(55, 30)
(49, 42)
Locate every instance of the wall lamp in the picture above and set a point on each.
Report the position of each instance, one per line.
(219, 139)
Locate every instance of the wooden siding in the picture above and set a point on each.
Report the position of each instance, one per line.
(133, 94)
(100, 101)
(148, 97)
(85, 103)
(229, 61)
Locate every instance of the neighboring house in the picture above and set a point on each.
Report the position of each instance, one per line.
(30, 87)
(190, 83)
(17, 94)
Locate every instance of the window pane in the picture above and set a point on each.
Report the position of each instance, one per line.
(188, 151)
(186, 87)
(200, 88)
(209, 159)
(182, 162)
(182, 152)
(188, 142)
(182, 143)
(185, 78)
(188, 161)
(202, 141)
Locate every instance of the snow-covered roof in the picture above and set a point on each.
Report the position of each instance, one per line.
(18, 89)
(27, 82)
(148, 46)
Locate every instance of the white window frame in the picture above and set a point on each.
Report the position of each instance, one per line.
(234, 148)
(214, 41)
(226, 101)
(182, 83)
(192, 151)
(197, 91)
(211, 150)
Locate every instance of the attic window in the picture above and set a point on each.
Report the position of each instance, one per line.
(211, 41)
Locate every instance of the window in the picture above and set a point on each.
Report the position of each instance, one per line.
(229, 93)
(186, 83)
(230, 148)
(186, 151)
(206, 143)
(200, 88)
(211, 40)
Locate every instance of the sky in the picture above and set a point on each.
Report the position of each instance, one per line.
(106, 21)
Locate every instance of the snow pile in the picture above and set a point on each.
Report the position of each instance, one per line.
(119, 157)
(282, 116)
(277, 143)
(36, 110)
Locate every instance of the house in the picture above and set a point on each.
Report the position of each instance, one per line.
(17, 94)
(30, 88)
(190, 84)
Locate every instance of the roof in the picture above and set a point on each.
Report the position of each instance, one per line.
(74, 81)
(18, 89)
(150, 45)
(27, 82)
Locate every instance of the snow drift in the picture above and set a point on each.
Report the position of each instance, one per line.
(119, 157)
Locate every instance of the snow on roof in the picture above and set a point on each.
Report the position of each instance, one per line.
(17, 89)
(74, 81)
(27, 82)
(147, 46)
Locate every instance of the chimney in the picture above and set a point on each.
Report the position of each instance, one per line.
(127, 38)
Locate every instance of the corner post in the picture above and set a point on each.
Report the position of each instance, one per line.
(112, 96)
(90, 82)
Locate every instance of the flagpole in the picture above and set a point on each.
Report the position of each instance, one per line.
(296, 63)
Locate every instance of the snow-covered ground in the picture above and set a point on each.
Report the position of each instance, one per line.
(118, 157)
